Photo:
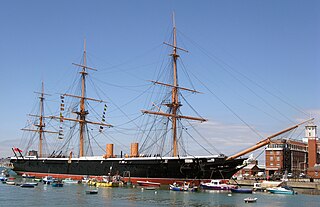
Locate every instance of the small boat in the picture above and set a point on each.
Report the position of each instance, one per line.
(57, 184)
(70, 181)
(261, 186)
(48, 180)
(281, 190)
(151, 188)
(85, 180)
(27, 185)
(257, 187)
(148, 184)
(27, 176)
(10, 183)
(109, 184)
(241, 190)
(217, 185)
(92, 191)
(183, 186)
(104, 183)
(38, 179)
(250, 200)
(32, 183)
(3, 178)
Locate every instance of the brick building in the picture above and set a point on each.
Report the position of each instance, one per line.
(294, 156)
(250, 170)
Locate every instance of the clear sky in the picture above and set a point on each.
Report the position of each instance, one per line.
(261, 58)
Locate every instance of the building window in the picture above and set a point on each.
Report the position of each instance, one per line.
(278, 152)
(271, 152)
(271, 163)
(278, 164)
(271, 158)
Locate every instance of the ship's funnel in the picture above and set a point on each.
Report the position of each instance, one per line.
(109, 150)
(134, 150)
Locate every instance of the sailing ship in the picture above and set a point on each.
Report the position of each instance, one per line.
(164, 169)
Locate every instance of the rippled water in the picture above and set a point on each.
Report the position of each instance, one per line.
(74, 195)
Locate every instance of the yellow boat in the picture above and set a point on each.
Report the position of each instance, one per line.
(104, 184)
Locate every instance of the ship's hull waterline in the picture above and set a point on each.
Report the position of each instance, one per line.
(161, 169)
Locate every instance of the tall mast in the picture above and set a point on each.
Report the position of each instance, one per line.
(41, 124)
(83, 112)
(174, 105)
(175, 100)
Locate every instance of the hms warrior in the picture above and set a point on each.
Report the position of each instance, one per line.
(159, 168)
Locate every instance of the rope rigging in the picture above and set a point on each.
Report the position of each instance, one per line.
(231, 71)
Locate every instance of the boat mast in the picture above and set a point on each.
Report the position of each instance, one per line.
(174, 105)
(175, 100)
(83, 113)
(41, 124)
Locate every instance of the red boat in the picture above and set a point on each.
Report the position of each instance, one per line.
(148, 184)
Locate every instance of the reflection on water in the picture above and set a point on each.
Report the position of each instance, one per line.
(74, 195)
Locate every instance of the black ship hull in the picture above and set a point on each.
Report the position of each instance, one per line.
(158, 168)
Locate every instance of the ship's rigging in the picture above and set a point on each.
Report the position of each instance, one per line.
(83, 112)
(40, 126)
(79, 109)
(173, 115)
(164, 137)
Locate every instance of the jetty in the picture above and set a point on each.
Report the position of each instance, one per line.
(295, 183)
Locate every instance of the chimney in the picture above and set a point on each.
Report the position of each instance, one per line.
(134, 150)
(109, 151)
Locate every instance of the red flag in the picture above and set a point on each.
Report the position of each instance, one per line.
(17, 149)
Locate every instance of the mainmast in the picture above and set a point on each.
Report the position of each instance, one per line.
(41, 125)
(175, 100)
(175, 104)
(82, 113)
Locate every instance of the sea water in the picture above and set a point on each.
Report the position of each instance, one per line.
(75, 195)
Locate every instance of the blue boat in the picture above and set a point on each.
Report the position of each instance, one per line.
(240, 190)
(3, 179)
(57, 184)
(27, 185)
(282, 190)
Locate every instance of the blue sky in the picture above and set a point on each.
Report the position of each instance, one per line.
(270, 48)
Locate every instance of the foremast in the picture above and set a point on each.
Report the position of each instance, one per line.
(83, 113)
(175, 104)
(41, 124)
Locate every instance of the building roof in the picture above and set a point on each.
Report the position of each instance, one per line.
(249, 167)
